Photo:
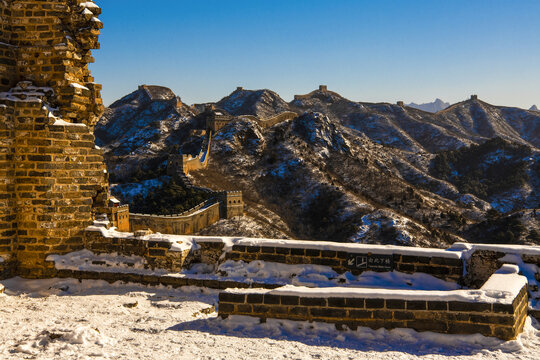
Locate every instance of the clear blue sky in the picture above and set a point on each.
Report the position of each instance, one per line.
(411, 50)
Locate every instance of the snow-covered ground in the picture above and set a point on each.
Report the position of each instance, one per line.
(68, 319)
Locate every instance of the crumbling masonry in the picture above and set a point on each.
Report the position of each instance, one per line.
(52, 178)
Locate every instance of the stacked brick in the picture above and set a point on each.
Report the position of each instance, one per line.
(442, 267)
(53, 179)
(50, 43)
(157, 253)
(504, 321)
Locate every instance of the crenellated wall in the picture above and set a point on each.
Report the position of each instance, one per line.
(182, 224)
(225, 205)
(269, 122)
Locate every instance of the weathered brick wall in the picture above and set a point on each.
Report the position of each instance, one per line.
(441, 267)
(483, 263)
(50, 44)
(53, 179)
(207, 252)
(158, 253)
(8, 231)
(59, 181)
(454, 317)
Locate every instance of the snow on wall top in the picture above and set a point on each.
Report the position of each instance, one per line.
(351, 247)
(456, 251)
(504, 248)
(178, 242)
(319, 245)
(501, 288)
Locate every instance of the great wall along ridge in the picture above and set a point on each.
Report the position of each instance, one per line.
(57, 219)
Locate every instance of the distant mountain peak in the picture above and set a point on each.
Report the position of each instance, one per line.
(263, 103)
(534, 108)
(432, 107)
(156, 93)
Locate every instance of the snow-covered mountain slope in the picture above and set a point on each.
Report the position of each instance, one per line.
(261, 103)
(410, 129)
(141, 123)
(343, 170)
(431, 107)
(327, 182)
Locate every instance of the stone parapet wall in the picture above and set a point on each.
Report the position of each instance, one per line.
(448, 268)
(225, 205)
(484, 260)
(181, 225)
(269, 122)
(443, 315)
(159, 253)
(164, 280)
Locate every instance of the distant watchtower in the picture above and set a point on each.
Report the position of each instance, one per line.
(400, 103)
(474, 97)
(323, 88)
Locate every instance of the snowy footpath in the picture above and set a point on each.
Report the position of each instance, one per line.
(68, 319)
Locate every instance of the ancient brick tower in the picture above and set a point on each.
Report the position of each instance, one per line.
(52, 177)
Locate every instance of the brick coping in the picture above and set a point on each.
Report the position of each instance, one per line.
(229, 242)
(502, 317)
(470, 296)
(501, 288)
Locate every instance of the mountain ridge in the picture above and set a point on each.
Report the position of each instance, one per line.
(367, 166)
(432, 107)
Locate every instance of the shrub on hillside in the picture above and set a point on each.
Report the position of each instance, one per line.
(484, 170)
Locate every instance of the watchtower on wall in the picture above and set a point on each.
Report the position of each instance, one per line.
(53, 179)
(232, 204)
(217, 119)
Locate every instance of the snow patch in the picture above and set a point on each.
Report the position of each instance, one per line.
(325, 276)
(78, 86)
(62, 339)
(86, 260)
(60, 122)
